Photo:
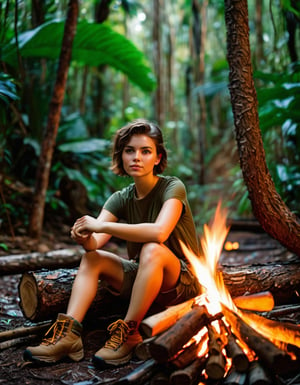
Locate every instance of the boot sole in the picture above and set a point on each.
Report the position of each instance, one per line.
(101, 364)
(77, 356)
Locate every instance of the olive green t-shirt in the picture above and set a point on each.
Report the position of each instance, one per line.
(128, 208)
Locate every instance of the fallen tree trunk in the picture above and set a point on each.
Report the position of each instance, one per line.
(43, 294)
(21, 263)
(281, 279)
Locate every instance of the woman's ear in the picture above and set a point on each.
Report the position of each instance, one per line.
(158, 159)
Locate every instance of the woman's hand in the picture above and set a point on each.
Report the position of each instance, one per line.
(84, 227)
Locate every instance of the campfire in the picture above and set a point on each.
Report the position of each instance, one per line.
(214, 338)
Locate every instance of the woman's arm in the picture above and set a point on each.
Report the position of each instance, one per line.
(159, 231)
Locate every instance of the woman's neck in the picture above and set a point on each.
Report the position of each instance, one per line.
(144, 186)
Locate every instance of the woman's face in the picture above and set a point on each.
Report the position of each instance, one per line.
(140, 156)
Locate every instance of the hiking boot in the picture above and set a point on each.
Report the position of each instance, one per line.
(118, 349)
(64, 341)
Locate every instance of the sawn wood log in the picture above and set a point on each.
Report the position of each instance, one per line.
(43, 294)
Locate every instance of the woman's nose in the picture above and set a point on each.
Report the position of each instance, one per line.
(137, 155)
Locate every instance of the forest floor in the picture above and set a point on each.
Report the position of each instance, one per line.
(13, 370)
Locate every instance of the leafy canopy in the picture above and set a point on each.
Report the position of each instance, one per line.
(94, 44)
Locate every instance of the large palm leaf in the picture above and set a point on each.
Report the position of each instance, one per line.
(94, 44)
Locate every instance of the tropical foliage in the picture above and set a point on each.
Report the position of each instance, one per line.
(94, 45)
(113, 78)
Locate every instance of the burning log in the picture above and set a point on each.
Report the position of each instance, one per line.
(263, 301)
(190, 352)
(171, 341)
(191, 374)
(283, 331)
(234, 351)
(271, 356)
(216, 362)
(160, 322)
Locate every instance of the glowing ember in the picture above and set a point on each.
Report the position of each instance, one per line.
(231, 246)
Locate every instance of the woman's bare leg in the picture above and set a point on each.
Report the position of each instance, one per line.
(94, 265)
(159, 270)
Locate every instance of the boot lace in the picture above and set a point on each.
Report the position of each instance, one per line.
(118, 334)
(58, 331)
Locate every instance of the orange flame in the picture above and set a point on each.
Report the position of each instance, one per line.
(206, 269)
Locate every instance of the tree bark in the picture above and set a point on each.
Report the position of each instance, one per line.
(48, 144)
(43, 294)
(268, 207)
(282, 280)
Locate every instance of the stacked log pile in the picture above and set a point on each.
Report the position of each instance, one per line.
(175, 357)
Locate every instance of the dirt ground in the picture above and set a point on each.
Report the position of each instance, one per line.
(254, 248)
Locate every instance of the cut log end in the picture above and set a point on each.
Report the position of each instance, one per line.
(28, 295)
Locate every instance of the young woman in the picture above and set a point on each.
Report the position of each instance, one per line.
(153, 216)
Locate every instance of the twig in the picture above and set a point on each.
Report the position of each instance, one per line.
(16, 341)
(24, 331)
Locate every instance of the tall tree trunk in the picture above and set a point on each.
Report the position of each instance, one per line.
(48, 144)
(268, 207)
(169, 94)
(159, 98)
(37, 13)
(200, 29)
(99, 98)
(259, 46)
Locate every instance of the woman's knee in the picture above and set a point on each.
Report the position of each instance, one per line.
(150, 251)
(98, 261)
(156, 253)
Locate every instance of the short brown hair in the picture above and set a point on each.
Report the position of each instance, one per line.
(123, 136)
